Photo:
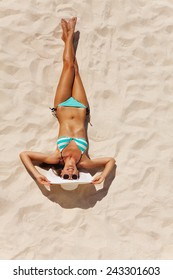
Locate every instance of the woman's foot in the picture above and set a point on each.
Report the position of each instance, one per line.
(68, 28)
(64, 26)
(71, 25)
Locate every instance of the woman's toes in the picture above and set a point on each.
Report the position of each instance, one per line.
(72, 23)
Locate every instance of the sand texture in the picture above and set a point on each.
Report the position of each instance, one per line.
(125, 55)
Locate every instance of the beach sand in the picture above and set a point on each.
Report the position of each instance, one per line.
(125, 55)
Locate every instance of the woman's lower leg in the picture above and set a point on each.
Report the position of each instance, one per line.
(64, 89)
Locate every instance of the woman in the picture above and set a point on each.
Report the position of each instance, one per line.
(70, 108)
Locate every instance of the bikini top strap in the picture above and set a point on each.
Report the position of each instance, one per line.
(61, 155)
(79, 159)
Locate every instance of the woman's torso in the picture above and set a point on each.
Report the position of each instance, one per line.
(71, 122)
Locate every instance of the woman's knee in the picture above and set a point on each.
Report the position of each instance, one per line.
(76, 68)
(68, 63)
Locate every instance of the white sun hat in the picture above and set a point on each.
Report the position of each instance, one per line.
(84, 178)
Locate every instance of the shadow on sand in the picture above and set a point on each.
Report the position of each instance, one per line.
(84, 197)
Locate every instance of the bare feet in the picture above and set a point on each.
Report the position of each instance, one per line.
(68, 28)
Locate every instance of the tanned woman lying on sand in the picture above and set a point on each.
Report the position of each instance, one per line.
(71, 108)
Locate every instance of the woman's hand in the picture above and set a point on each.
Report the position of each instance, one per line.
(41, 179)
(98, 179)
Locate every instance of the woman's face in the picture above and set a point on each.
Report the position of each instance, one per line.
(70, 172)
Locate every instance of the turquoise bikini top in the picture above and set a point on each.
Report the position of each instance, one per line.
(63, 142)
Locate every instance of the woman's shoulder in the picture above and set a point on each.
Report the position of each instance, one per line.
(86, 162)
(52, 158)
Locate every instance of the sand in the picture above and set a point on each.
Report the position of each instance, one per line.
(125, 55)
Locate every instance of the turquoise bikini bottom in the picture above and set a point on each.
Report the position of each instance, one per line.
(71, 102)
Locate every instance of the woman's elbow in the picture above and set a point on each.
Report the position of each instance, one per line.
(113, 161)
(22, 154)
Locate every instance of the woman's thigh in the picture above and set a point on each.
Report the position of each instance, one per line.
(65, 85)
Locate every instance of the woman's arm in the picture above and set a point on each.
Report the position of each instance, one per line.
(27, 158)
(108, 166)
(107, 163)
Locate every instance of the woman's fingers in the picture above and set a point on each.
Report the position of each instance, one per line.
(98, 179)
(41, 179)
(47, 183)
